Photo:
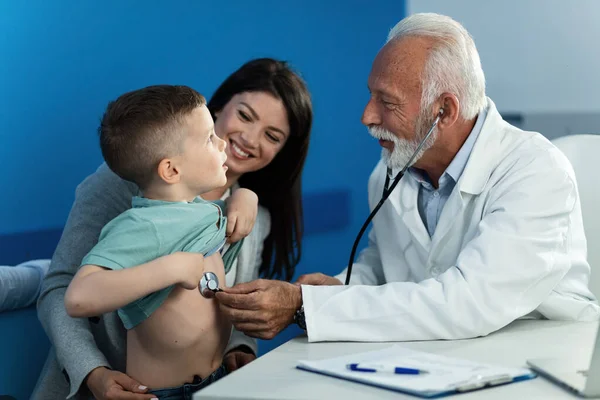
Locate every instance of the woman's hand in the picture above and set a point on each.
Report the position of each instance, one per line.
(237, 358)
(261, 308)
(106, 384)
(317, 279)
(242, 208)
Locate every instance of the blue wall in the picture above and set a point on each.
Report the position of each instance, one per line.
(62, 61)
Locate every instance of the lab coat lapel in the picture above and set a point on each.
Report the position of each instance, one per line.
(451, 215)
(406, 204)
(473, 180)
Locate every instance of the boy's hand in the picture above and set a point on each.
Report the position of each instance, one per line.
(242, 208)
(189, 267)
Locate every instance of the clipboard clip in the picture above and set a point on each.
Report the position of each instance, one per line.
(480, 381)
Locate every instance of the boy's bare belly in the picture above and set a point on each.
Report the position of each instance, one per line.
(186, 336)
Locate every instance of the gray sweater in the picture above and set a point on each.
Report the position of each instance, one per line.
(79, 346)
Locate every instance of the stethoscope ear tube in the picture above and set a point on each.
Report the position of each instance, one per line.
(386, 193)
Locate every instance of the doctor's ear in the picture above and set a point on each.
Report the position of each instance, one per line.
(451, 110)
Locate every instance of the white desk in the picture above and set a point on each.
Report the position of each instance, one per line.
(274, 376)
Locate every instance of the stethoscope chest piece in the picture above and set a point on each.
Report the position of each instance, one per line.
(209, 285)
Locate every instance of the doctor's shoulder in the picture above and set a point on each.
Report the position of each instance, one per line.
(537, 154)
(530, 161)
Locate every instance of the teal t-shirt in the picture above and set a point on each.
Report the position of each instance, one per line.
(155, 228)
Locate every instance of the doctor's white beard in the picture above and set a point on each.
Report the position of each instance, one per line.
(404, 149)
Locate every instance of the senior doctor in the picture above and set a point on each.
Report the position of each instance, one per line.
(483, 229)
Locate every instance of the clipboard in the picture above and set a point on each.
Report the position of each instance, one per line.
(446, 376)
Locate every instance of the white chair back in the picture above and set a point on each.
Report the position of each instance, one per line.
(583, 151)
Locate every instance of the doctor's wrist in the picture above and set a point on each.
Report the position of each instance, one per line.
(297, 297)
(299, 318)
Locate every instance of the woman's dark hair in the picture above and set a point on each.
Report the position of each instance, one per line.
(279, 184)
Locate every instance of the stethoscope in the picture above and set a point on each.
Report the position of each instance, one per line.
(387, 191)
(209, 285)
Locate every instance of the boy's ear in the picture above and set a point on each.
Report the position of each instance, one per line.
(169, 171)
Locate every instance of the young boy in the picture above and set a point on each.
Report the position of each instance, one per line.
(149, 260)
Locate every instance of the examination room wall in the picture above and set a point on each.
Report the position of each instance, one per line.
(539, 56)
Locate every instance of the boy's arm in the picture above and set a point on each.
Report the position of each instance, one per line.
(95, 290)
(241, 210)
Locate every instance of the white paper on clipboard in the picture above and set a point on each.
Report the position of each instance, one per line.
(445, 375)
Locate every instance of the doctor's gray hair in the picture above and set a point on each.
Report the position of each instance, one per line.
(453, 65)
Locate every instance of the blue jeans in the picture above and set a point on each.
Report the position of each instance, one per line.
(185, 391)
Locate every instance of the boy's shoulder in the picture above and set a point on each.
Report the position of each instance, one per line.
(129, 221)
(163, 211)
(174, 218)
(145, 210)
(164, 220)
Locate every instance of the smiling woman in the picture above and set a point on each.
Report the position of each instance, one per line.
(255, 126)
(264, 113)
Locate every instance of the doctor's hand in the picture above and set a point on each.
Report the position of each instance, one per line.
(242, 208)
(317, 279)
(261, 308)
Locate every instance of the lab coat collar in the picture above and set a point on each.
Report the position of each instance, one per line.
(486, 150)
(481, 161)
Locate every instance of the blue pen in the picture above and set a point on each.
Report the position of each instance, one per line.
(382, 368)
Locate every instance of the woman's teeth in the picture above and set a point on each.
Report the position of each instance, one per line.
(238, 151)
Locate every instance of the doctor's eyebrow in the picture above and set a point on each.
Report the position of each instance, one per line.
(380, 93)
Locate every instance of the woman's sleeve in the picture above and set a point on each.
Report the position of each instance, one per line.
(98, 199)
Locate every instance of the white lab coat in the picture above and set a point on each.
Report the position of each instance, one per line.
(509, 243)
